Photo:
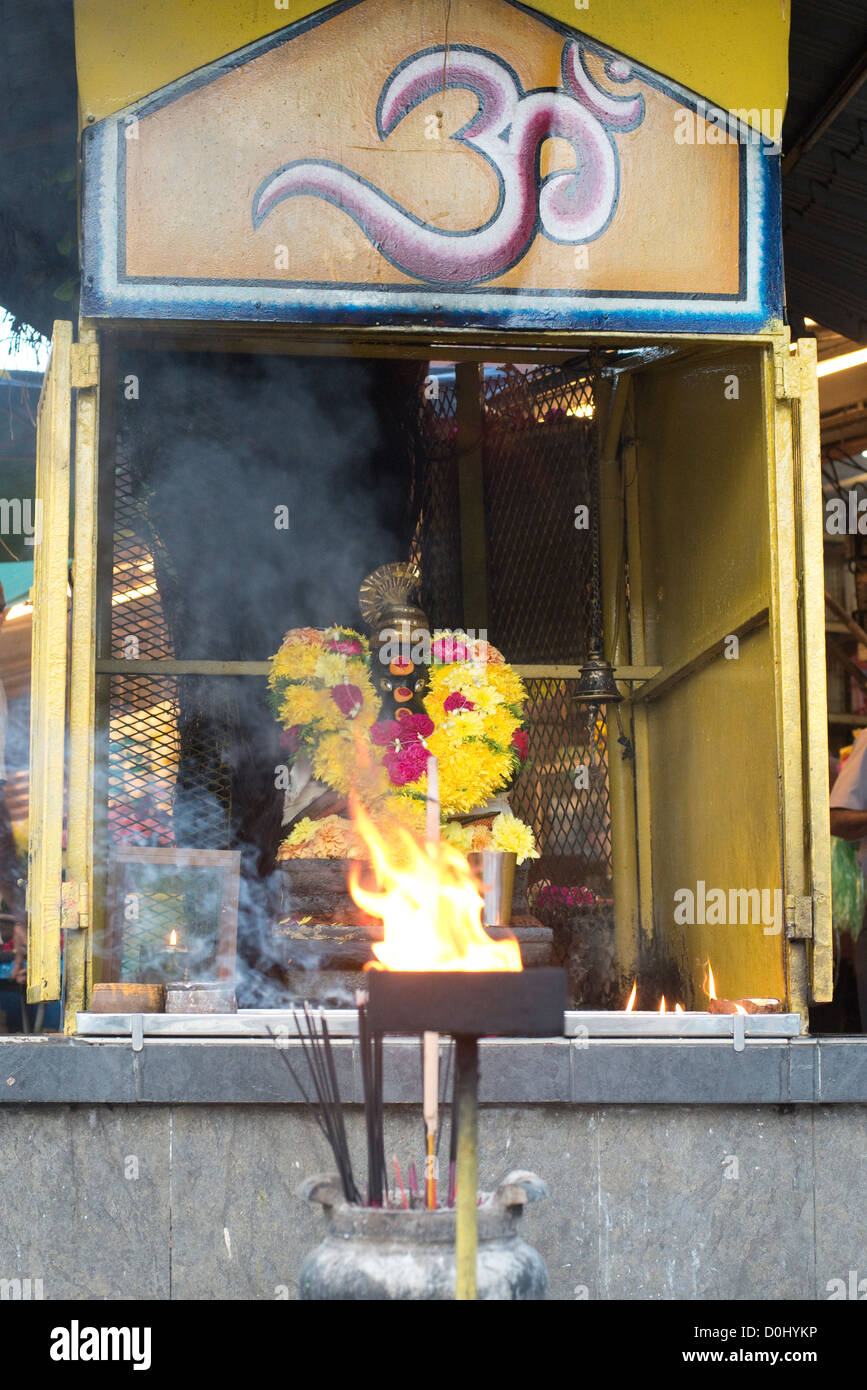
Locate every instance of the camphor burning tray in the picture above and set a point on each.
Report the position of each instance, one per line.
(204, 997)
(468, 1003)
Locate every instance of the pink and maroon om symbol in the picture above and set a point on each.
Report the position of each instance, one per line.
(570, 206)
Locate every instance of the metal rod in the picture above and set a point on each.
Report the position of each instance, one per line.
(467, 1219)
(845, 618)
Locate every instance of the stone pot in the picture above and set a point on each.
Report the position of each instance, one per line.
(391, 1254)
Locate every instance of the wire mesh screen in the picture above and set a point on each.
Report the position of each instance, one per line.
(138, 626)
(437, 542)
(537, 452)
(182, 748)
(168, 775)
(171, 750)
(537, 436)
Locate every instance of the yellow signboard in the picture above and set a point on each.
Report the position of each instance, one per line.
(355, 168)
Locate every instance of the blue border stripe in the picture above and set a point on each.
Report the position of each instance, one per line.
(108, 293)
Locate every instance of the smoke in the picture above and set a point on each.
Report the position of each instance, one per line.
(265, 489)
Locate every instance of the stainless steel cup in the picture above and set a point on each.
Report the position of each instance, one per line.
(495, 871)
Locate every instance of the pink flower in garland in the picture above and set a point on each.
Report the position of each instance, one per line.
(349, 647)
(457, 701)
(409, 728)
(384, 732)
(406, 759)
(447, 649)
(348, 699)
(291, 738)
(406, 764)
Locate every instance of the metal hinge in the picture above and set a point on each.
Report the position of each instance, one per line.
(788, 380)
(74, 907)
(83, 365)
(799, 917)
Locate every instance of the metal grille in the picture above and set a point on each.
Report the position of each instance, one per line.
(171, 753)
(138, 626)
(174, 741)
(537, 439)
(142, 760)
(537, 452)
(563, 793)
(437, 542)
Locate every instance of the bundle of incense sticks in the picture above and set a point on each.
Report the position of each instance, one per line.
(326, 1107)
(370, 1045)
(327, 1110)
(430, 1041)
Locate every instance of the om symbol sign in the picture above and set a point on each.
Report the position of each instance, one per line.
(569, 206)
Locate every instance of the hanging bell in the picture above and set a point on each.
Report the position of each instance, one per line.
(596, 684)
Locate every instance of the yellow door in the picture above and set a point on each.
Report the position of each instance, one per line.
(730, 735)
(55, 903)
(800, 521)
(48, 674)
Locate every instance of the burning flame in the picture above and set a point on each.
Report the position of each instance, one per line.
(662, 1005)
(710, 989)
(630, 1003)
(739, 1010)
(429, 904)
(173, 938)
(679, 1009)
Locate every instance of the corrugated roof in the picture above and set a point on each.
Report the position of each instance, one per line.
(825, 190)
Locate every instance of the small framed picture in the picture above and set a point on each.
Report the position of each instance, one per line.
(171, 915)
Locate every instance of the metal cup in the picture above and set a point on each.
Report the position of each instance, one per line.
(495, 871)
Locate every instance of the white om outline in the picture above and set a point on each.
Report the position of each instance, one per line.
(570, 206)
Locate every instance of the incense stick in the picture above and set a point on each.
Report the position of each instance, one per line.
(432, 803)
(430, 1044)
(399, 1182)
(430, 1108)
(326, 1109)
(453, 1140)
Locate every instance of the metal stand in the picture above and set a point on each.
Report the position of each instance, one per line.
(467, 1166)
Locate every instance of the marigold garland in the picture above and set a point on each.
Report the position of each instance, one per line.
(323, 694)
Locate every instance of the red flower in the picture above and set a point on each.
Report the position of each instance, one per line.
(348, 699)
(521, 744)
(405, 728)
(291, 738)
(417, 724)
(385, 731)
(348, 647)
(407, 763)
(457, 701)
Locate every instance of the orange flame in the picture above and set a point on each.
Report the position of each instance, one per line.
(679, 1009)
(429, 904)
(710, 989)
(173, 938)
(739, 1010)
(630, 1003)
(662, 1005)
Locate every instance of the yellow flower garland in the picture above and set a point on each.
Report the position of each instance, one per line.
(475, 706)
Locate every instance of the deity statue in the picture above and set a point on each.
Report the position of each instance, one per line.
(399, 638)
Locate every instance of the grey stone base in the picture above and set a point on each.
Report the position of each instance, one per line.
(647, 1201)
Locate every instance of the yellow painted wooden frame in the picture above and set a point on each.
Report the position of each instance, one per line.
(48, 673)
